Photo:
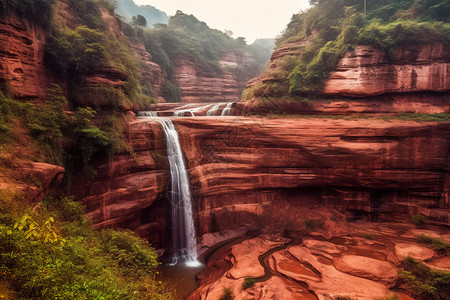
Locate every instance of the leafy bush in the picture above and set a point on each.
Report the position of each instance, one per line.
(248, 283)
(89, 265)
(37, 11)
(313, 224)
(418, 219)
(434, 243)
(171, 91)
(428, 283)
(227, 294)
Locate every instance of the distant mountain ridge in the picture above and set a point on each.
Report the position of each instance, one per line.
(128, 9)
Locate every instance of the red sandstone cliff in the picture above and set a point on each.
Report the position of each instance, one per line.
(198, 86)
(368, 168)
(22, 58)
(368, 71)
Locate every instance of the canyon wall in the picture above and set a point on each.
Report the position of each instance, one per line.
(240, 167)
(22, 59)
(199, 86)
(368, 71)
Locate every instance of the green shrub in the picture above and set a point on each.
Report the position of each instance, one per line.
(171, 91)
(248, 283)
(89, 265)
(37, 11)
(369, 236)
(227, 294)
(434, 243)
(313, 224)
(427, 283)
(418, 219)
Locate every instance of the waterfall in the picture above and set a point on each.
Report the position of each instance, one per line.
(183, 229)
(180, 113)
(212, 111)
(147, 114)
(227, 110)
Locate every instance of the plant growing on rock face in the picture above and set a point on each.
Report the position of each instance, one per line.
(248, 283)
(227, 294)
(418, 219)
(428, 283)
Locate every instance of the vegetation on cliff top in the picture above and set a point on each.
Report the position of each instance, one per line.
(185, 37)
(332, 27)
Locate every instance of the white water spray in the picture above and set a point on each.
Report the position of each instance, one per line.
(227, 110)
(192, 111)
(212, 111)
(183, 228)
(147, 114)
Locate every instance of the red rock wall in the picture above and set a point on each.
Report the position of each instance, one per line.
(370, 168)
(197, 86)
(21, 59)
(368, 71)
(239, 167)
(129, 191)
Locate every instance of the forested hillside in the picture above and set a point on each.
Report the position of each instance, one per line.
(326, 31)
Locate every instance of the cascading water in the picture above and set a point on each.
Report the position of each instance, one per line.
(212, 111)
(147, 114)
(227, 110)
(180, 113)
(183, 229)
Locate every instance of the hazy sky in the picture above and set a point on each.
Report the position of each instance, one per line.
(248, 18)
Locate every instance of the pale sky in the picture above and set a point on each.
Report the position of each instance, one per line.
(248, 18)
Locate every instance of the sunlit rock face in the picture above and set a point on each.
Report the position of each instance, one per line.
(240, 167)
(369, 71)
(22, 58)
(371, 169)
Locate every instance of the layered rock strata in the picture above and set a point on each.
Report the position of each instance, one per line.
(198, 86)
(22, 59)
(368, 71)
(241, 168)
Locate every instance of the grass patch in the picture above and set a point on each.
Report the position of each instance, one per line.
(426, 282)
(417, 219)
(419, 117)
(434, 243)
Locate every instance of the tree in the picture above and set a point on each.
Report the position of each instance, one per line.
(139, 20)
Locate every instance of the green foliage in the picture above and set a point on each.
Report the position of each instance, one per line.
(171, 91)
(434, 243)
(90, 139)
(387, 36)
(369, 236)
(333, 27)
(45, 122)
(139, 20)
(185, 37)
(227, 294)
(37, 11)
(248, 283)
(89, 12)
(421, 117)
(418, 219)
(88, 265)
(428, 283)
(313, 224)
(78, 50)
